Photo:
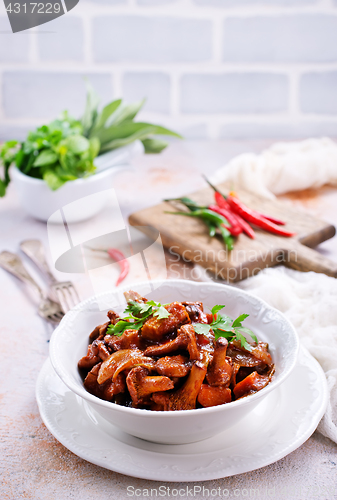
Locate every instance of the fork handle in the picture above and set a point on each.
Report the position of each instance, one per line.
(35, 251)
(13, 264)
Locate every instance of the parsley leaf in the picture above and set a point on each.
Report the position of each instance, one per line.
(243, 341)
(239, 320)
(216, 309)
(248, 331)
(120, 327)
(225, 327)
(201, 328)
(222, 323)
(161, 313)
(137, 314)
(137, 308)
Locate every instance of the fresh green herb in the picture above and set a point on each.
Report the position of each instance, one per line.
(65, 149)
(212, 220)
(8, 153)
(224, 326)
(161, 313)
(120, 327)
(137, 314)
(216, 309)
(136, 308)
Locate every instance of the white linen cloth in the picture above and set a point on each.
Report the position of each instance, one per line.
(283, 167)
(309, 300)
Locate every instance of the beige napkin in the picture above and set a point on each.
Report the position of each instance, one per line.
(283, 167)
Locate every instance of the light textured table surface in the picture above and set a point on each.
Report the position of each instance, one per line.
(33, 464)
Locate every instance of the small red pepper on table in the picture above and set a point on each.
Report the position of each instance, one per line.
(124, 265)
(119, 257)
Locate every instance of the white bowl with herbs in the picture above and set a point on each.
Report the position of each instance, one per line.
(70, 159)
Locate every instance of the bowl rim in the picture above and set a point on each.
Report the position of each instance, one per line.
(17, 174)
(82, 392)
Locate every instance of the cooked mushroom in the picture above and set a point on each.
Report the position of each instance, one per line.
(101, 349)
(188, 332)
(261, 352)
(258, 356)
(171, 346)
(195, 311)
(236, 368)
(185, 339)
(184, 398)
(134, 296)
(91, 359)
(221, 367)
(115, 387)
(90, 381)
(99, 332)
(121, 360)
(141, 385)
(128, 340)
(113, 317)
(107, 390)
(214, 396)
(172, 366)
(155, 329)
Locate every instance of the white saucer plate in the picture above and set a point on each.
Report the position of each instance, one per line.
(278, 425)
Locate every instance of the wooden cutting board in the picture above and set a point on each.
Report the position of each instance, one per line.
(189, 238)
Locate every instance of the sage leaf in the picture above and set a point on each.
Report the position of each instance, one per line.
(154, 146)
(46, 157)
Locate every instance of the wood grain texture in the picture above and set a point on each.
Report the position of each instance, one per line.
(189, 238)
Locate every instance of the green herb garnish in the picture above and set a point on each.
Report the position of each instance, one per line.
(224, 326)
(137, 314)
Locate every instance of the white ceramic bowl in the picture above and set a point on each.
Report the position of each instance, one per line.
(38, 200)
(69, 343)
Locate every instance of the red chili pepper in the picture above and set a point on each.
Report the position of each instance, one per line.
(219, 198)
(245, 226)
(250, 216)
(124, 265)
(271, 219)
(235, 229)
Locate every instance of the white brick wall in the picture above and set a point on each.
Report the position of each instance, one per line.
(210, 68)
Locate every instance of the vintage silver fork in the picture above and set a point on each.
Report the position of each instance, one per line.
(64, 291)
(48, 309)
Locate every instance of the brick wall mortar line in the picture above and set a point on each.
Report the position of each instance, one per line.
(201, 12)
(183, 68)
(194, 119)
(190, 10)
